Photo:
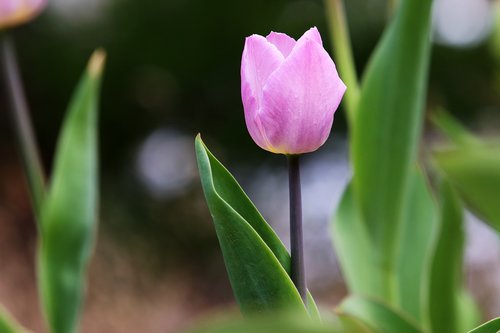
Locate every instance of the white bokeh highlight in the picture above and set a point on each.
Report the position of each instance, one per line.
(166, 164)
(462, 23)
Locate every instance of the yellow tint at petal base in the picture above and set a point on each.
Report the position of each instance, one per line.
(20, 16)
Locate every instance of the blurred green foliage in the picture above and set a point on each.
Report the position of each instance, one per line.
(9, 324)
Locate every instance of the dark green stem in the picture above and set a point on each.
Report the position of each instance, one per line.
(22, 124)
(296, 235)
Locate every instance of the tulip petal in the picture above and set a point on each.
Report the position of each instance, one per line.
(260, 59)
(312, 34)
(37, 4)
(282, 41)
(14, 12)
(7, 8)
(300, 99)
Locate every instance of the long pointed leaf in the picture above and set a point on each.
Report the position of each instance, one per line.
(419, 232)
(387, 128)
(69, 214)
(227, 189)
(249, 246)
(446, 288)
(354, 247)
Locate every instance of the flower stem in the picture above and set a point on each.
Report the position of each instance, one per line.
(296, 235)
(22, 124)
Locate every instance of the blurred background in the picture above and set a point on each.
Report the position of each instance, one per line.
(173, 71)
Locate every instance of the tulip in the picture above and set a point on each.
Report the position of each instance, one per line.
(15, 12)
(290, 91)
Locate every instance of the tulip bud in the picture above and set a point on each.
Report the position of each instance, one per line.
(15, 12)
(290, 91)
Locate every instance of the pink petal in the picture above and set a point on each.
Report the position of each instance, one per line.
(37, 4)
(15, 12)
(283, 42)
(300, 99)
(7, 8)
(313, 34)
(260, 59)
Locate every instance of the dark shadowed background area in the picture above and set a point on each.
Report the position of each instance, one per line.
(173, 71)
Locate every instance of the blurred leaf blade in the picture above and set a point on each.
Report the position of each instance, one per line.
(350, 324)
(469, 314)
(378, 316)
(354, 247)
(8, 324)
(446, 287)
(69, 214)
(283, 323)
(343, 53)
(249, 246)
(453, 129)
(492, 326)
(475, 173)
(387, 128)
(419, 231)
(312, 308)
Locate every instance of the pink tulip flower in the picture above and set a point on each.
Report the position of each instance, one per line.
(14, 12)
(290, 91)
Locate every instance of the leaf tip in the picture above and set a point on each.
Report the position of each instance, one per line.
(199, 145)
(198, 141)
(96, 63)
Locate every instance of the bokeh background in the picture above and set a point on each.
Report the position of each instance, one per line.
(173, 71)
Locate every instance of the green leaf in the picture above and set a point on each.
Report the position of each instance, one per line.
(446, 300)
(312, 308)
(8, 324)
(347, 323)
(378, 316)
(283, 323)
(354, 247)
(469, 314)
(387, 128)
(453, 129)
(494, 43)
(493, 326)
(256, 260)
(69, 214)
(475, 172)
(419, 232)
